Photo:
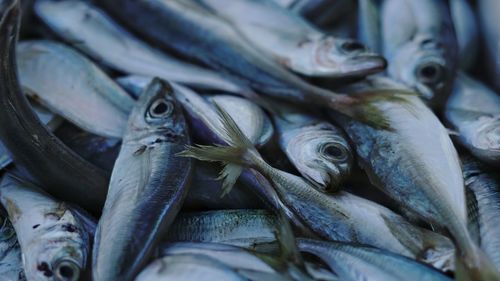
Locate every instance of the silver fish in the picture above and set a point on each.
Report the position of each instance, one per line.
(420, 45)
(147, 188)
(55, 242)
(483, 198)
(467, 32)
(96, 34)
(340, 217)
(242, 228)
(488, 11)
(11, 267)
(319, 150)
(417, 165)
(473, 110)
(75, 88)
(294, 43)
(356, 262)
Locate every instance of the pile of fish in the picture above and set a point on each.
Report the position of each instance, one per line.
(200, 140)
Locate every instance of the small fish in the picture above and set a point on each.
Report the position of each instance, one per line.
(32, 146)
(417, 165)
(467, 32)
(488, 11)
(294, 43)
(93, 32)
(54, 238)
(483, 200)
(242, 228)
(11, 265)
(340, 217)
(75, 88)
(473, 110)
(148, 186)
(419, 43)
(319, 150)
(357, 262)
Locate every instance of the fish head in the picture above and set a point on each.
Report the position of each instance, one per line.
(321, 154)
(157, 113)
(335, 57)
(422, 64)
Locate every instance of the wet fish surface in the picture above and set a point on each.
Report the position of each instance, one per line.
(11, 267)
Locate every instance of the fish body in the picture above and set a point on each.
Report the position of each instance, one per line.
(319, 150)
(54, 240)
(294, 43)
(31, 145)
(488, 11)
(75, 88)
(473, 110)
(93, 32)
(148, 186)
(467, 32)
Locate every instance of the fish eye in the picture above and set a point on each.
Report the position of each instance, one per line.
(334, 152)
(352, 46)
(161, 108)
(67, 271)
(430, 73)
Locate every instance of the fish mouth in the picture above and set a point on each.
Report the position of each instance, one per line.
(363, 65)
(66, 270)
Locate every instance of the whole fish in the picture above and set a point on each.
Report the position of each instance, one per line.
(417, 166)
(294, 43)
(466, 30)
(357, 262)
(11, 267)
(202, 36)
(483, 200)
(420, 45)
(96, 34)
(239, 227)
(148, 186)
(75, 88)
(188, 268)
(32, 146)
(342, 217)
(473, 110)
(488, 11)
(54, 239)
(319, 150)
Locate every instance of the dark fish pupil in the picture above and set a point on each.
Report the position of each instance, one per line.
(66, 272)
(160, 108)
(333, 151)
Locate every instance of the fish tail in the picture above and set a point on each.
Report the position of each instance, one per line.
(474, 265)
(239, 153)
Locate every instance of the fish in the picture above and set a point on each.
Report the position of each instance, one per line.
(487, 11)
(31, 145)
(483, 201)
(318, 149)
(238, 227)
(201, 112)
(467, 32)
(339, 217)
(54, 238)
(322, 13)
(420, 45)
(353, 262)
(417, 165)
(473, 111)
(148, 185)
(11, 267)
(76, 89)
(209, 40)
(294, 43)
(89, 29)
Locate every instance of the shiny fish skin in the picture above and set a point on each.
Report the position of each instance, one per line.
(11, 267)
(357, 262)
(75, 88)
(473, 110)
(148, 186)
(466, 30)
(63, 173)
(294, 43)
(243, 228)
(319, 150)
(483, 197)
(420, 45)
(489, 21)
(95, 33)
(54, 241)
